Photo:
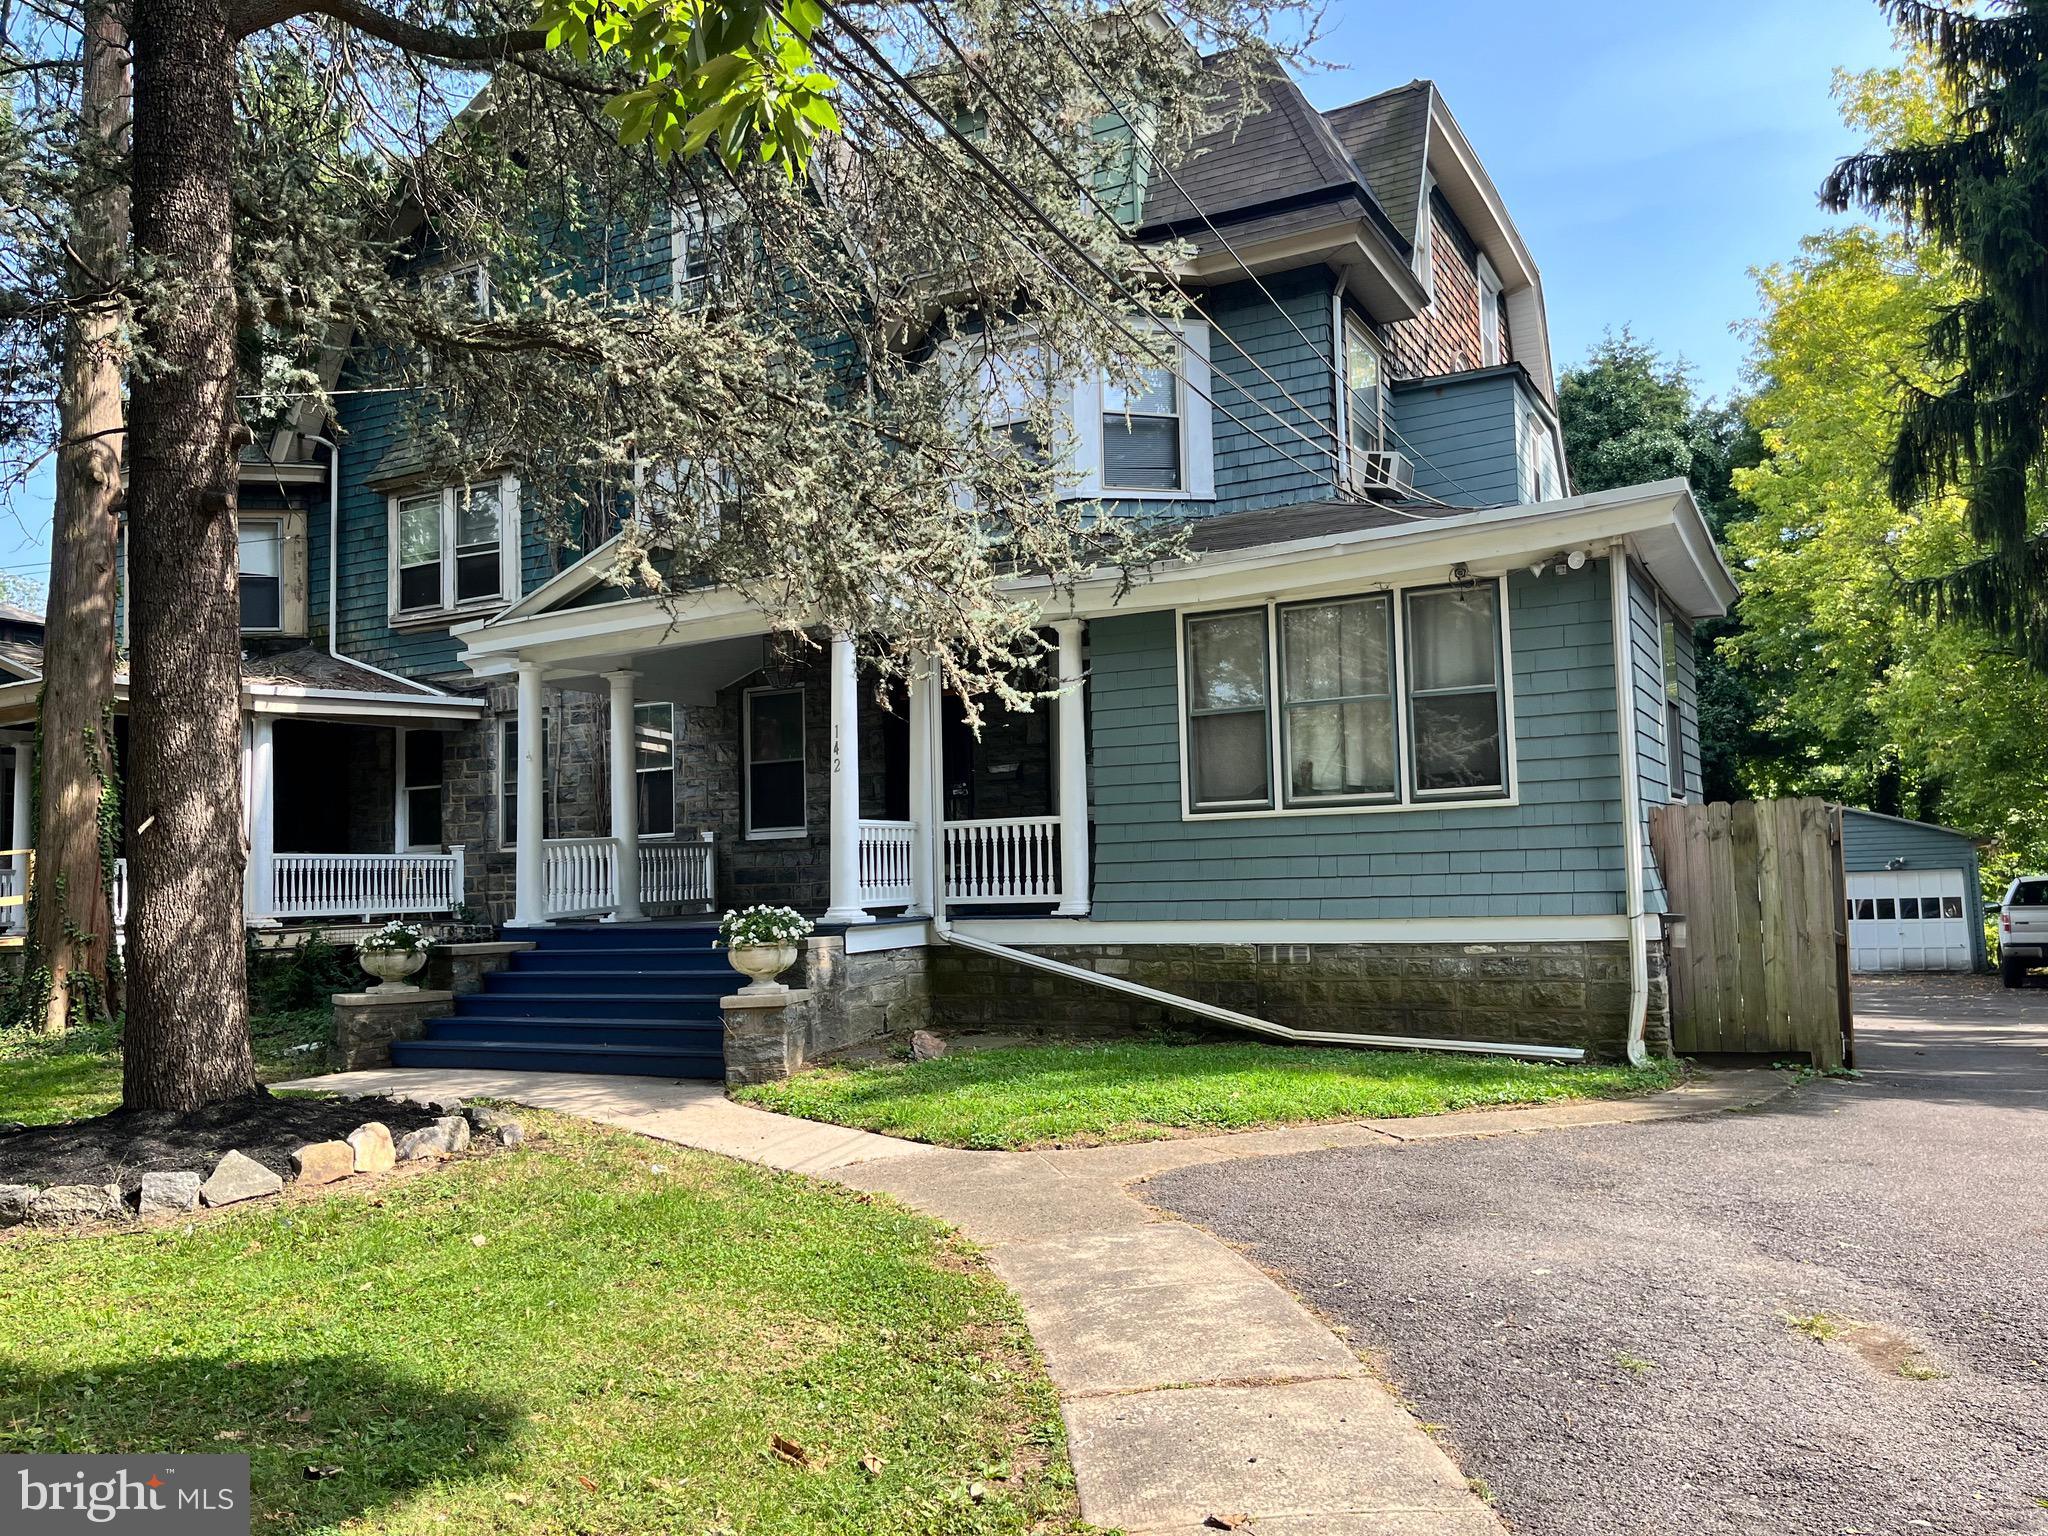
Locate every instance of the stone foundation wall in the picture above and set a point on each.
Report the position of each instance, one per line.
(1527, 994)
(840, 1001)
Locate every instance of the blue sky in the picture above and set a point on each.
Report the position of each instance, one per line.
(1652, 154)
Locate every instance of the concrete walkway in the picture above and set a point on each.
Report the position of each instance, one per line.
(1198, 1393)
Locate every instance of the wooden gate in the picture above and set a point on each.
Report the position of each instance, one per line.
(1765, 964)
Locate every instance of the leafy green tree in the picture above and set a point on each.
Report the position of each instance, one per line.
(1972, 179)
(1630, 416)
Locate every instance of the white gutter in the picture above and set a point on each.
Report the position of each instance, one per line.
(1631, 803)
(943, 929)
(334, 570)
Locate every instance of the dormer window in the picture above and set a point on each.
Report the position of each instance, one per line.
(468, 282)
(454, 549)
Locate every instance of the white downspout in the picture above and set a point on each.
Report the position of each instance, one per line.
(1631, 803)
(334, 567)
(944, 931)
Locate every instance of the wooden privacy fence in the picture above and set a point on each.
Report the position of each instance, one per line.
(1764, 967)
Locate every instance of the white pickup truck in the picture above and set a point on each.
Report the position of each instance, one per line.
(2023, 928)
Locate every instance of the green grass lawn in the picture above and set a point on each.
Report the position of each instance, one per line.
(44, 1078)
(593, 1334)
(1144, 1089)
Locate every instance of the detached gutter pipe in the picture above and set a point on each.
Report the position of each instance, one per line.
(1632, 860)
(946, 933)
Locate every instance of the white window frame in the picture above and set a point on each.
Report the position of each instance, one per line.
(686, 288)
(1492, 353)
(404, 842)
(508, 780)
(1197, 422)
(508, 552)
(1408, 798)
(669, 768)
(1671, 696)
(774, 834)
(476, 275)
(1425, 240)
(1353, 325)
(276, 524)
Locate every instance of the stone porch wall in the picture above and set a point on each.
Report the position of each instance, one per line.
(840, 1001)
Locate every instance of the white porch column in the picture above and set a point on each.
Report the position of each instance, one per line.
(845, 685)
(24, 827)
(529, 905)
(1073, 773)
(924, 806)
(625, 802)
(261, 791)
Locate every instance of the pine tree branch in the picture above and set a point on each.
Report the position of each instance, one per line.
(426, 42)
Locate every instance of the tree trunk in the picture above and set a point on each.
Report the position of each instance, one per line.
(68, 972)
(187, 1036)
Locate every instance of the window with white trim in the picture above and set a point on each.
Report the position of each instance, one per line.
(774, 741)
(508, 780)
(1141, 432)
(1365, 394)
(259, 552)
(654, 768)
(695, 242)
(1674, 712)
(455, 548)
(420, 782)
(1456, 715)
(470, 283)
(1338, 736)
(1374, 699)
(1491, 354)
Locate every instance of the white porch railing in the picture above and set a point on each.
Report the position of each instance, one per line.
(579, 879)
(13, 914)
(1006, 859)
(677, 873)
(576, 876)
(887, 850)
(363, 885)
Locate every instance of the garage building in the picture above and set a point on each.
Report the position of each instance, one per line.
(1915, 899)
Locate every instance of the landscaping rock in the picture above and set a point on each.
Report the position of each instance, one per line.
(422, 1144)
(14, 1203)
(322, 1162)
(447, 1106)
(168, 1192)
(62, 1204)
(924, 1045)
(480, 1118)
(511, 1133)
(12, 1125)
(371, 1144)
(236, 1178)
(455, 1131)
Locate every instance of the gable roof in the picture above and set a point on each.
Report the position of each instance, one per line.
(1387, 136)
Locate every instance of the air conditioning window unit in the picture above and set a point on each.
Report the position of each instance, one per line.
(1384, 473)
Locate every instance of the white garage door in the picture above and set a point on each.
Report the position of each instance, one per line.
(1909, 920)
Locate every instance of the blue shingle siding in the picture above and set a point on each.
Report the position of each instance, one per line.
(1645, 628)
(1557, 853)
(1460, 433)
(1689, 710)
(1249, 473)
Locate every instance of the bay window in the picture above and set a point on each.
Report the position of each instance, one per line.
(1347, 702)
(1141, 433)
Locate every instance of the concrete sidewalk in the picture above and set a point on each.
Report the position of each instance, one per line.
(1195, 1388)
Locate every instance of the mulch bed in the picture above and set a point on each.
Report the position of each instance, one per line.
(119, 1148)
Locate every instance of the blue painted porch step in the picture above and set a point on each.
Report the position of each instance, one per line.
(638, 999)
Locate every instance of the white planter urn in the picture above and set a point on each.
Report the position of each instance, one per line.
(391, 967)
(762, 963)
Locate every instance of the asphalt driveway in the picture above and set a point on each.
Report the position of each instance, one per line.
(1825, 1315)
